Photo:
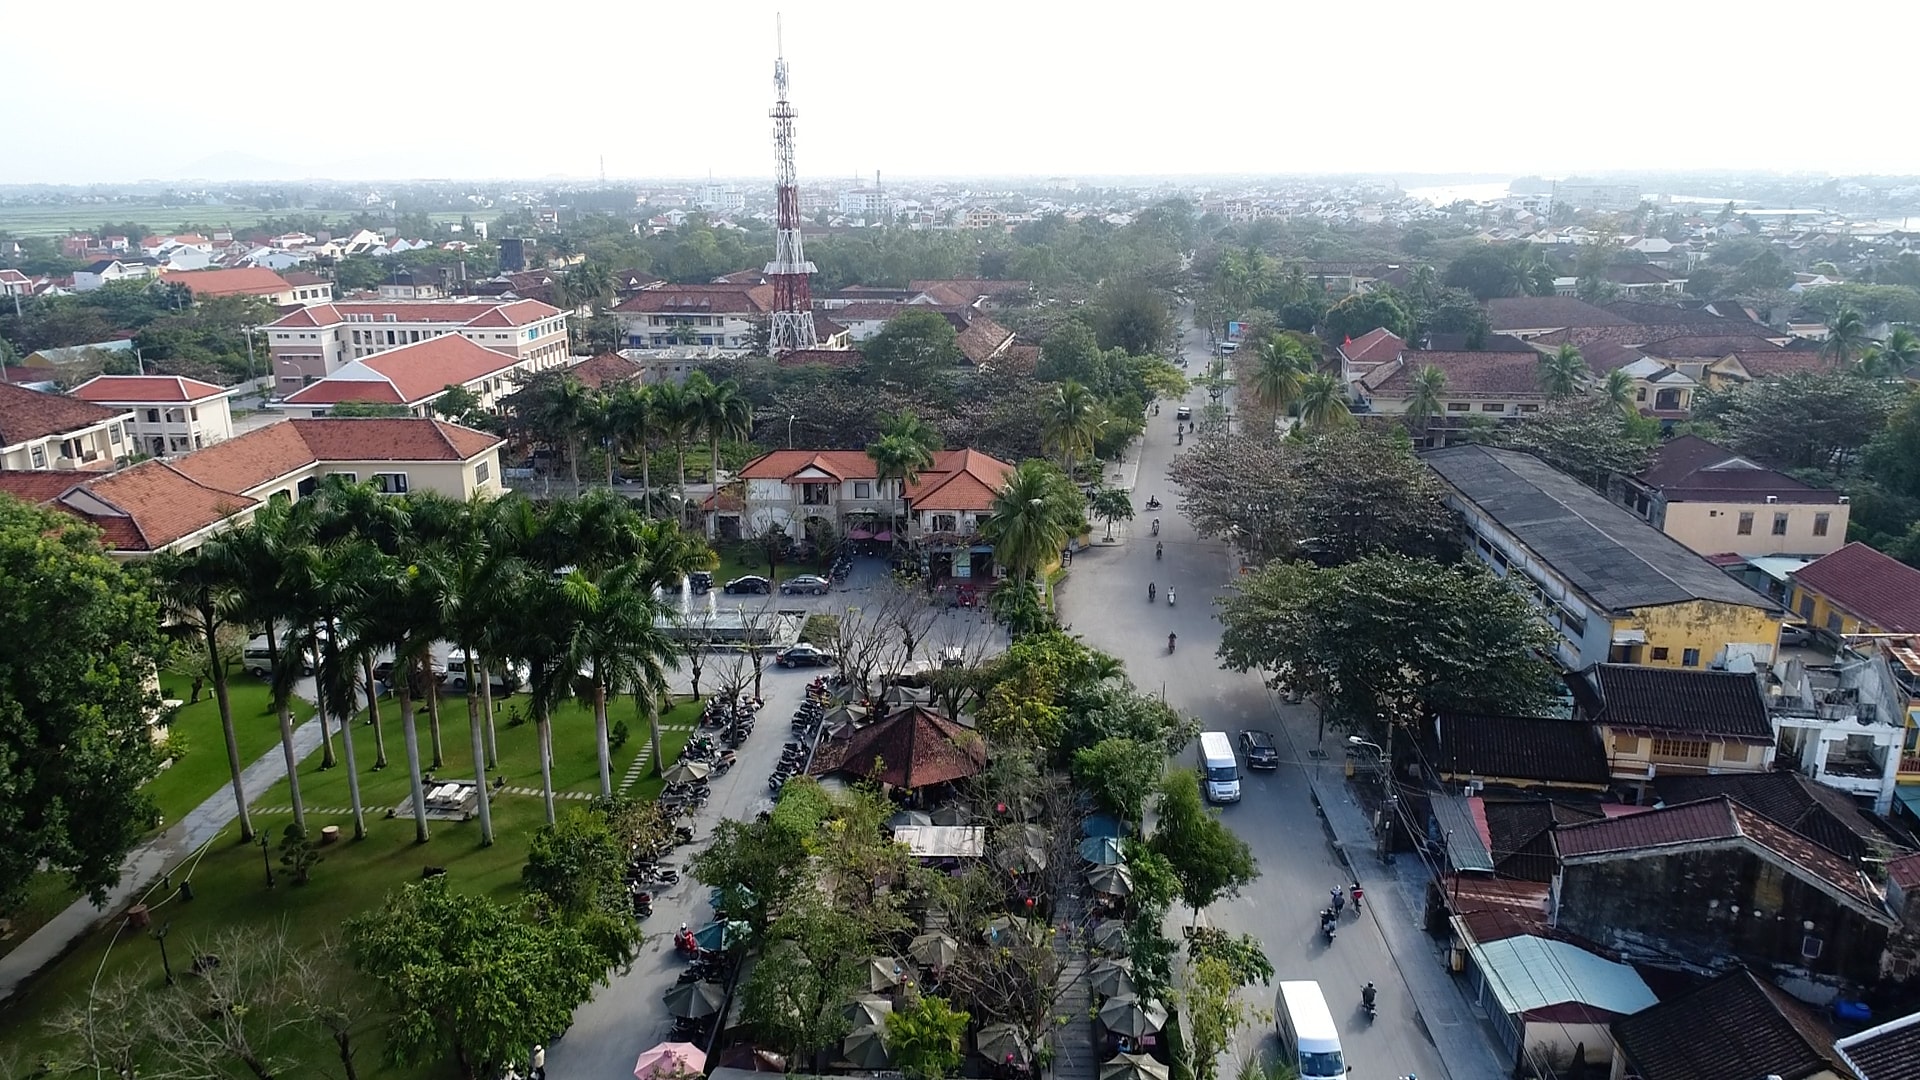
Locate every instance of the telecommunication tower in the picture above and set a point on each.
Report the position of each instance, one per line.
(792, 325)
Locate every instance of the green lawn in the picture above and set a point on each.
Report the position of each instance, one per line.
(203, 771)
(229, 879)
(738, 559)
(47, 895)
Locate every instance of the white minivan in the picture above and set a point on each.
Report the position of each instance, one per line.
(1219, 769)
(1308, 1040)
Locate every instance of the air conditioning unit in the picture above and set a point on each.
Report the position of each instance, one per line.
(1771, 499)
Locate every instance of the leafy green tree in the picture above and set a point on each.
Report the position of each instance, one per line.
(465, 978)
(1586, 438)
(1132, 315)
(1101, 706)
(1208, 859)
(83, 636)
(1111, 505)
(576, 874)
(914, 348)
(793, 999)
(757, 864)
(460, 405)
(925, 1038)
(1119, 774)
(1892, 458)
(1487, 272)
(1216, 1013)
(1245, 959)
(364, 409)
(1804, 420)
(1362, 313)
(1072, 352)
(1390, 637)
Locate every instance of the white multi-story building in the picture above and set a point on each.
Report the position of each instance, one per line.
(723, 315)
(170, 414)
(725, 200)
(315, 342)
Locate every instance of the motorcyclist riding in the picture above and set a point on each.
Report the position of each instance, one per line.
(1159, 548)
(1149, 592)
(1169, 596)
(1171, 638)
(1367, 993)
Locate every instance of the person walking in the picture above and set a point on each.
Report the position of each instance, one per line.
(538, 1063)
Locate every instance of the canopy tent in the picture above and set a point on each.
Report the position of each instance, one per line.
(686, 772)
(1110, 978)
(1110, 880)
(1102, 851)
(906, 695)
(691, 1001)
(867, 1011)
(865, 1048)
(1125, 1014)
(1005, 930)
(670, 1059)
(1101, 825)
(1133, 1067)
(1110, 935)
(934, 950)
(1021, 858)
(716, 936)
(882, 973)
(1003, 1043)
(955, 813)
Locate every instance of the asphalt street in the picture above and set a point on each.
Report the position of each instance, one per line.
(1105, 602)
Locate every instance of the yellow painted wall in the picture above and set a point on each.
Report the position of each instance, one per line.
(1628, 756)
(1712, 528)
(1706, 625)
(1824, 609)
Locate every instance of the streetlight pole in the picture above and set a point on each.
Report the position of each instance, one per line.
(160, 936)
(264, 860)
(790, 419)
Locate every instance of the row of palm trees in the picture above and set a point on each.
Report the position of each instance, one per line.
(635, 418)
(570, 593)
(1849, 347)
(1284, 379)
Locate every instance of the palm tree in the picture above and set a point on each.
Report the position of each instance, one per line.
(399, 613)
(541, 625)
(466, 576)
(908, 425)
(601, 422)
(199, 596)
(675, 410)
(1428, 396)
(1278, 376)
(1561, 373)
(324, 582)
(1893, 356)
(565, 406)
(896, 457)
(1323, 403)
(664, 556)
(1619, 391)
(723, 414)
(1032, 518)
(632, 408)
(1846, 338)
(1071, 421)
(616, 638)
(255, 556)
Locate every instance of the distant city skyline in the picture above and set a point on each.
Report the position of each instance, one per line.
(225, 90)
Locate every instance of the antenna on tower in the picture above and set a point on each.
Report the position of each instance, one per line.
(791, 326)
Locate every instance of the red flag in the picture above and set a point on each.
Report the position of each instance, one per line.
(1349, 339)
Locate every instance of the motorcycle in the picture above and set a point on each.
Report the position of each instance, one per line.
(1156, 526)
(1170, 641)
(1329, 924)
(1159, 550)
(1366, 1000)
(1153, 502)
(1169, 596)
(1149, 592)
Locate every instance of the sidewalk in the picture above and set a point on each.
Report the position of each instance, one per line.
(145, 863)
(1395, 900)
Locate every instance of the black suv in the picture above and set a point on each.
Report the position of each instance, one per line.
(1258, 746)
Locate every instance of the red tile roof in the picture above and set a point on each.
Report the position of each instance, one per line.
(1373, 347)
(1778, 363)
(26, 415)
(913, 748)
(1700, 347)
(1905, 871)
(1878, 589)
(865, 310)
(1734, 1026)
(269, 453)
(303, 277)
(116, 389)
(1716, 821)
(141, 508)
(1506, 374)
(407, 374)
(242, 281)
(1689, 467)
(965, 292)
(959, 479)
(725, 299)
(604, 369)
(838, 358)
(458, 312)
(518, 313)
(983, 339)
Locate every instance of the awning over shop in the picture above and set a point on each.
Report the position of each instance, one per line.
(943, 841)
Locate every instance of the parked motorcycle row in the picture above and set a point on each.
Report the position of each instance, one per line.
(806, 728)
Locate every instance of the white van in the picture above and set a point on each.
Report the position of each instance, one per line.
(1219, 770)
(1308, 1040)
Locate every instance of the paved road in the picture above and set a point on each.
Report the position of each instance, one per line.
(1105, 602)
(626, 1016)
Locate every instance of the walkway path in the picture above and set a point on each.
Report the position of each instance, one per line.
(146, 863)
(1073, 1049)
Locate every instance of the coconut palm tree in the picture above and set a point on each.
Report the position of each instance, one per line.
(399, 612)
(1619, 391)
(1070, 422)
(676, 415)
(896, 457)
(199, 597)
(665, 555)
(723, 414)
(1428, 396)
(1323, 403)
(1846, 338)
(908, 425)
(255, 556)
(632, 408)
(1560, 374)
(1032, 518)
(1282, 369)
(1893, 356)
(601, 424)
(540, 627)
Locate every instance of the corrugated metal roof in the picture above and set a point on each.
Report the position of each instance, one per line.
(1606, 552)
(1527, 973)
(1466, 848)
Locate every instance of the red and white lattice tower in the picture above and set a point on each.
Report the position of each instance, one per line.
(792, 326)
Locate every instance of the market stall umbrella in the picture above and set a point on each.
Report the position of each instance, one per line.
(867, 1011)
(951, 814)
(1003, 930)
(866, 1048)
(1102, 851)
(686, 772)
(1111, 880)
(906, 695)
(1133, 1067)
(1022, 858)
(998, 1042)
(934, 950)
(1110, 978)
(1101, 825)
(1127, 1015)
(909, 817)
(846, 716)
(691, 1001)
(883, 973)
(670, 1059)
(1110, 934)
(717, 936)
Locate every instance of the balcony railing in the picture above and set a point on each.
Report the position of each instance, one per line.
(1909, 764)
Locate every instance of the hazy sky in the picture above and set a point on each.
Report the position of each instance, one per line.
(117, 90)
